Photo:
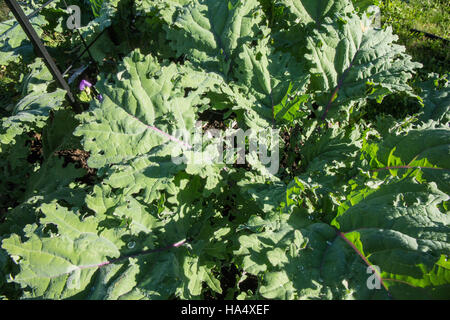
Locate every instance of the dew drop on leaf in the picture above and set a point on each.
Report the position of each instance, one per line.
(131, 244)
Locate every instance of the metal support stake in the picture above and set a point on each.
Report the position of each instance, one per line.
(42, 51)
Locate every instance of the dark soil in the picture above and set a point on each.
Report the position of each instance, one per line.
(228, 280)
(35, 144)
(251, 283)
(3, 211)
(229, 275)
(214, 120)
(79, 158)
(291, 156)
(75, 156)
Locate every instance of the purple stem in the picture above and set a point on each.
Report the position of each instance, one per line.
(351, 244)
(172, 138)
(339, 86)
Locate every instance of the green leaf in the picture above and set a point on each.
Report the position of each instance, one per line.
(402, 231)
(268, 194)
(92, 257)
(51, 181)
(59, 267)
(354, 62)
(14, 42)
(33, 110)
(209, 32)
(436, 100)
(362, 5)
(397, 224)
(306, 11)
(358, 209)
(276, 81)
(422, 153)
(143, 109)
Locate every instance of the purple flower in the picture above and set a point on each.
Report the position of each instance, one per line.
(100, 98)
(85, 84)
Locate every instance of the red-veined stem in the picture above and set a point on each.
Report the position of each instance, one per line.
(172, 138)
(351, 244)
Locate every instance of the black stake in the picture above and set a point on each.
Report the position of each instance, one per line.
(86, 47)
(83, 52)
(42, 51)
(430, 35)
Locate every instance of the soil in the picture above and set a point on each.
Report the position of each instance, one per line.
(214, 120)
(228, 281)
(75, 156)
(79, 158)
(290, 159)
(250, 283)
(35, 148)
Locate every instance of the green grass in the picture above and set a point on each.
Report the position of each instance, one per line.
(429, 15)
(432, 16)
(10, 77)
(4, 11)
